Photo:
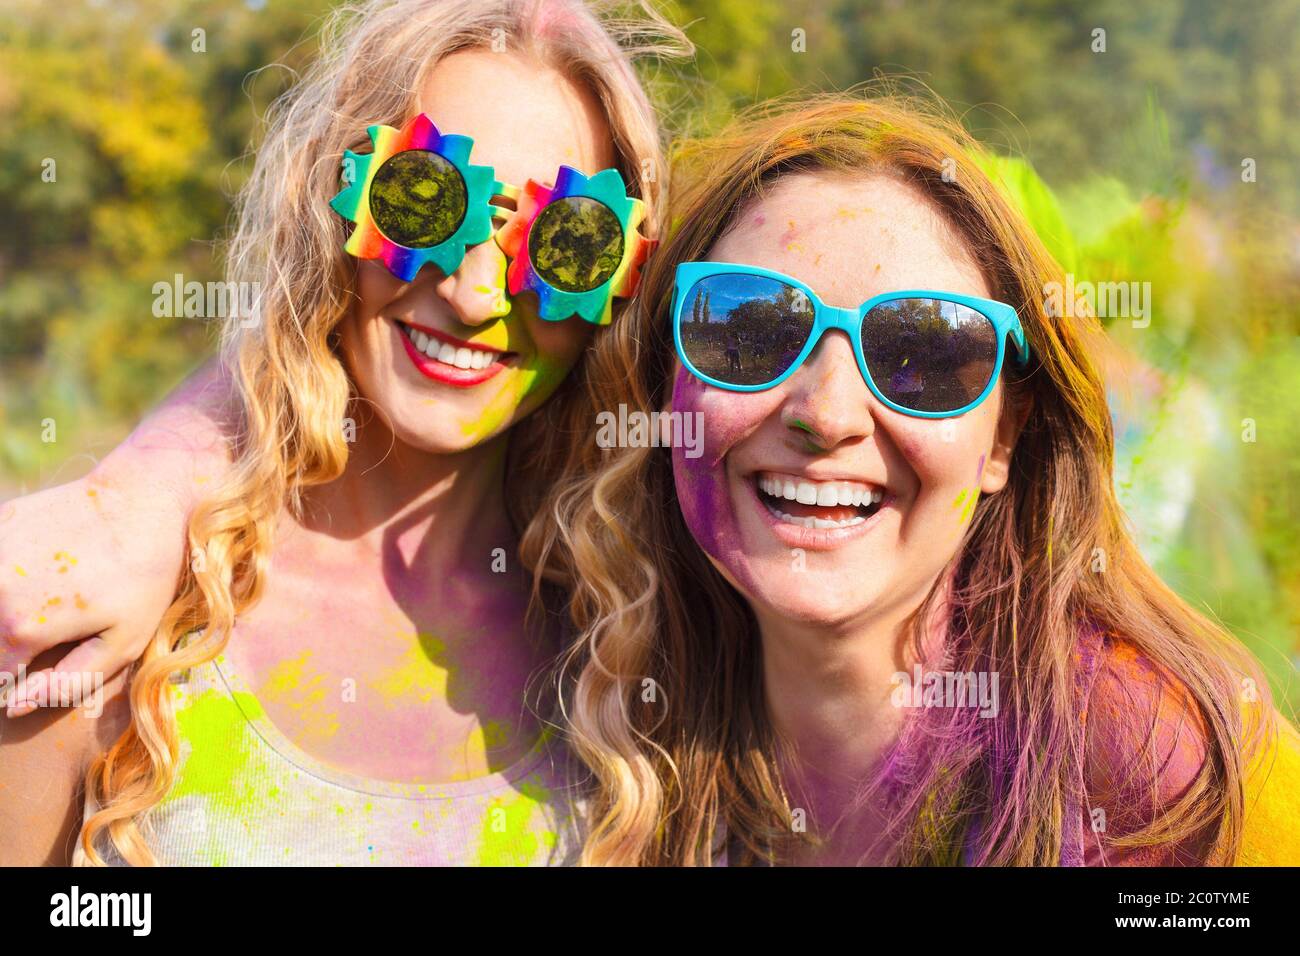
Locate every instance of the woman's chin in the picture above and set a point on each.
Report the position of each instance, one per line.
(448, 436)
(798, 597)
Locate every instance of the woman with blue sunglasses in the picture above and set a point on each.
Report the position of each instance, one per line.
(890, 613)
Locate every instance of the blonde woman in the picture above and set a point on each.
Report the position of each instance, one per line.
(343, 676)
(890, 612)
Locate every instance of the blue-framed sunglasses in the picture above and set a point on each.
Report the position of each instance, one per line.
(926, 354)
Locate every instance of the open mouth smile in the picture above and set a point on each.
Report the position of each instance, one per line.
(450, 360)
(809, 513)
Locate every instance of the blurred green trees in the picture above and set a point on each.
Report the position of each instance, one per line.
(123, 132)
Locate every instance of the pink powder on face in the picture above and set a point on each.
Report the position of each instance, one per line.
(701, 483)
(703, 491)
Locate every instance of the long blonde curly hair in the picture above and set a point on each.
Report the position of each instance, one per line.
(664, 690)
(291, 387)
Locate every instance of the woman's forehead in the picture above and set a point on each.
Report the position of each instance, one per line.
(526, 119)
(852, 236)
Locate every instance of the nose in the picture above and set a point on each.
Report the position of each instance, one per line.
(827, 401)
(477, 290)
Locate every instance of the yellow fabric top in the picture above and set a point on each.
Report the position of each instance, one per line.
(1271, 834)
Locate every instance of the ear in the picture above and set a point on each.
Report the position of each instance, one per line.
(1011, 421)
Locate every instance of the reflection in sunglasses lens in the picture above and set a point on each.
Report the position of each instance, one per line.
(417, 199)
(929, 355)
(744, 329)
(576, 244)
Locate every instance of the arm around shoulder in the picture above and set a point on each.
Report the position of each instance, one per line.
(97, 560)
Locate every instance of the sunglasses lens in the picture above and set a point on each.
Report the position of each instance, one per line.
(744, 329)
(929, 355)
(417, 199)
(576, 244)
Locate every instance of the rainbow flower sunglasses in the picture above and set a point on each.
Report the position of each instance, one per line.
(416, 199)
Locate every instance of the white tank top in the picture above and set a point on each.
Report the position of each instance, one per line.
(246, 795)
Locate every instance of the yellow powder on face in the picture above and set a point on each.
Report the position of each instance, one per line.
(540, 378)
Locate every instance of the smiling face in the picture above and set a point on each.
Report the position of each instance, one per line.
(893, 493)
(452, 361)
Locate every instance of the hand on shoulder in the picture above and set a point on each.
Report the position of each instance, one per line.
(97, 561)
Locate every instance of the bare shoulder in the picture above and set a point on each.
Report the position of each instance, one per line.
(1140, 716)
(1145, 746)
(1147, 743)
(43, 761)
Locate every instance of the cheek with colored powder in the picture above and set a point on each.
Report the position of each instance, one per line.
(533, 383)
(703, 491)
(964, 503)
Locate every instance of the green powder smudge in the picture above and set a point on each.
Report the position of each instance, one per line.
(513, 844)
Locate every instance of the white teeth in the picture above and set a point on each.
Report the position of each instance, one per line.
(811, 522)
(823, 494)
(463, 357)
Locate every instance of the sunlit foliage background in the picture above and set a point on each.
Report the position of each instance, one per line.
(1129, 162)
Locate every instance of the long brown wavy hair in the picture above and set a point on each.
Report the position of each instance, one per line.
(664, 692)
(292, 390)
